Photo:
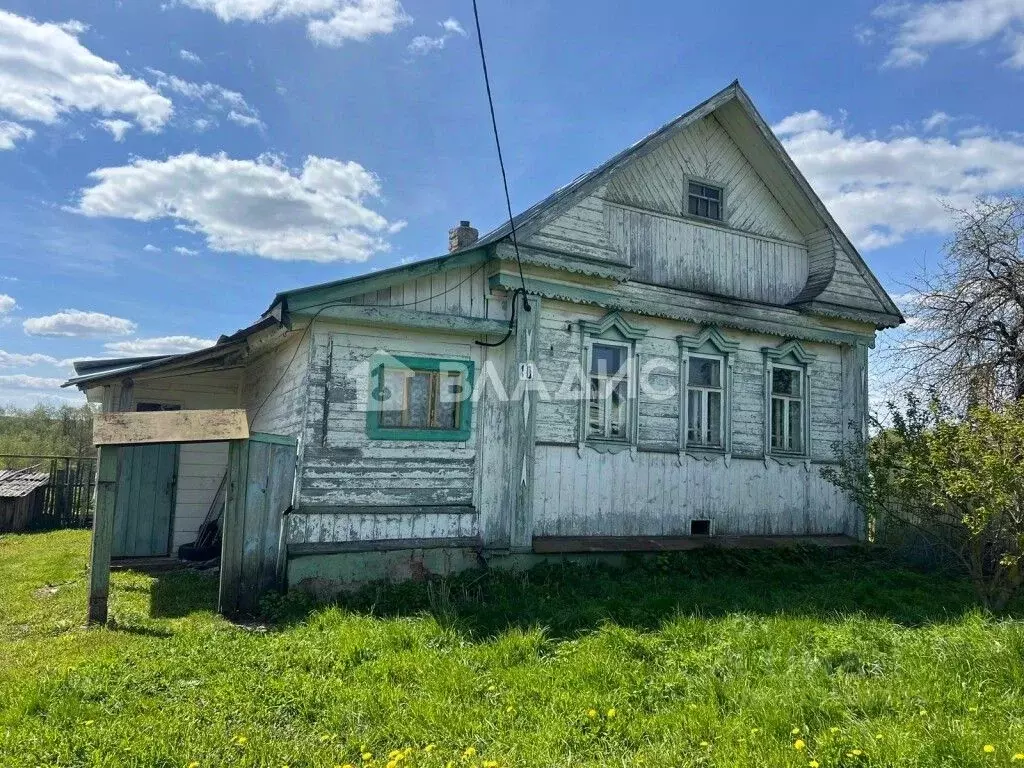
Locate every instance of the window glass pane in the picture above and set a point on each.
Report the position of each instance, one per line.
(447, 408)
(704, 372)
(694, 188)
(713, 211)
(617, 423)
(391, 399)
(795, 432)
(694, 417)
(714, 431)
(420, 395)
(595, 409)
(702, 207)
(778, 422)
(785, 382)
(712, 193)
(693, 206)
(607, 360)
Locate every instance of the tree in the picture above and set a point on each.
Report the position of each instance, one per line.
(46, 430)
(957, 481)
(966, 339)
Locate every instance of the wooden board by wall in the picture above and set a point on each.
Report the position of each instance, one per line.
(169, 427)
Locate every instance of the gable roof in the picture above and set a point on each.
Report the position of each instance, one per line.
(740, 108)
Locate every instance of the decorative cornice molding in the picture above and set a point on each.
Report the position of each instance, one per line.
(790, 347)
(711, 335)
(613, 320)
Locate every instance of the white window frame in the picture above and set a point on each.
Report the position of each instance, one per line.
(630, 380)
(788, 401)
(611, 330)
(709, 343)
(704, 391)
(789, 355)
(705, 182)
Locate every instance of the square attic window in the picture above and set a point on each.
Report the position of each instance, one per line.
(704, 200)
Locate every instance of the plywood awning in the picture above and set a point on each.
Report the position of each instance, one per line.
(125, 428)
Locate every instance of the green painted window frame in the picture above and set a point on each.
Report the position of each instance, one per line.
(375, 431)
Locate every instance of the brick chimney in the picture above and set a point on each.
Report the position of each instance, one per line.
(462, 236)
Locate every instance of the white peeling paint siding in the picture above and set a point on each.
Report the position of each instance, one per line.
(406, 489)
(652, 490)
(200, 465)
(458, 291)
(273, 387)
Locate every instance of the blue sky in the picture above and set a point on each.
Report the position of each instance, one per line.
(165, 168)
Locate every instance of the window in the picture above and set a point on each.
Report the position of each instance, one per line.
(420, 399)
(787, 409)
(608, 402)
(705, 394)
(704, 200)
(700, 527)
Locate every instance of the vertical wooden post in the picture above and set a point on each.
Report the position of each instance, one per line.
(524, 435)
(102, 532)
(232, 527)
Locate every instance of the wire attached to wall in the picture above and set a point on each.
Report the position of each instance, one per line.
(504, 179)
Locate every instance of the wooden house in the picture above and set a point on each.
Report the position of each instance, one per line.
(691, 344)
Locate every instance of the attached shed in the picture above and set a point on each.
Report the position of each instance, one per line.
(21, 497)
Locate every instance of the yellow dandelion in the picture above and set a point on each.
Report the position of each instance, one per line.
(611, 712)
(194, 764)
(591, 713)
(240, 740)
(367, 756)
(430, 748)
(346, 765)
(1018, 756)
(392, 764)
(989, 748)
(795, 732)
(490, 764)
(469, 752)
(394, 753)
(813, 764)
(856, 752)
(799, 744)
(705, 744)
(923, 712)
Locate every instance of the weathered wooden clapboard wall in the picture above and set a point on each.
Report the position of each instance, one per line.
(653, 488)
(353, 488)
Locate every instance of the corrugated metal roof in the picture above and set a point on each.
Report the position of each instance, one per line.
(15, 483)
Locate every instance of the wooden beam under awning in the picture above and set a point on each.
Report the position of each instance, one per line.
(148, 427)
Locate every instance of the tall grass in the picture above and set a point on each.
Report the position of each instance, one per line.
(710, 659)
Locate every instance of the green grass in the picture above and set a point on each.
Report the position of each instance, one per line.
(711, 659)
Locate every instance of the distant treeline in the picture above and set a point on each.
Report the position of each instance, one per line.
(46, 430)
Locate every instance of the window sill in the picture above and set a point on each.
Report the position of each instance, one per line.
(430, 435)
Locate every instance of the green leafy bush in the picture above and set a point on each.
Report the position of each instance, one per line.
(958, 482)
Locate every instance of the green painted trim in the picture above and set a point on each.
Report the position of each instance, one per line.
(375, 431)
(266, 437)
(791, 347)
(407, 318)
(316, 296)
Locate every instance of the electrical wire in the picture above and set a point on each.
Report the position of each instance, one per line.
(501, 160)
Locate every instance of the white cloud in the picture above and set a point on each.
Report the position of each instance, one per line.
(914, 30)
(183, 251)
(16, 359)
(12, 133)
(935, 121)
(24, 381)
(118, 128)
(213, 97)
(330, 22)
(46, 73)
(883, 190)
(150, 248)
(260, 207)
(76, 323)
(190, 57)
(7, 303)
(161, 345)
(421, 45)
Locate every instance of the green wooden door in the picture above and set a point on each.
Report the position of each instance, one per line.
(144, 512)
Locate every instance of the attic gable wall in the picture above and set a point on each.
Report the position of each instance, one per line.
(657, 181)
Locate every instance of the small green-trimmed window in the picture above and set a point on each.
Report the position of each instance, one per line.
(420, 398)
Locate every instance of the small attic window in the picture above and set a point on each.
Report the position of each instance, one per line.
(704, 200)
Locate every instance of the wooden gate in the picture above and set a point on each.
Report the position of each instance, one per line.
(144, 513)
(261, 472)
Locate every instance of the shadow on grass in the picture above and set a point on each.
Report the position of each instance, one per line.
(568, 599)
(175, 594)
